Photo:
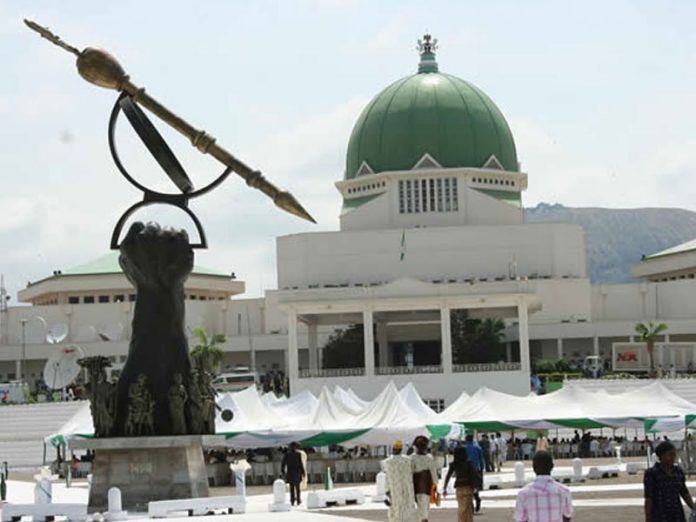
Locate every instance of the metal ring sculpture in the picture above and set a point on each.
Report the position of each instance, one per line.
(166, 159)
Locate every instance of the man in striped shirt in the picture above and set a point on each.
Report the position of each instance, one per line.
(544, 500)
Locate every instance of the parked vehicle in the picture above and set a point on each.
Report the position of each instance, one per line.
(239, 378)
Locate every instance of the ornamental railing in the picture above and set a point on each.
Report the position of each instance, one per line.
(487, 367)
(407, 370)
(331, 372)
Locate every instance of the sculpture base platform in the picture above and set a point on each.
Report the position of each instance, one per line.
(147, 468)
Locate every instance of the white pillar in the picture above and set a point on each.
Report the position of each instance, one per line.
(446, 336)
(523, 322)
(312, 339)
(293, 355)
(18, 368)
(595, 345)
(382, 344)
(559, 347)
(508, 351)
(369, 342)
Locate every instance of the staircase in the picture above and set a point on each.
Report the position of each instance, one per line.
(24, 426)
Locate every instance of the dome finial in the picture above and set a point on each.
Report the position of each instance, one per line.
(426, 48)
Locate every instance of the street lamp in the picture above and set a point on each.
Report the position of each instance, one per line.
(24, 348)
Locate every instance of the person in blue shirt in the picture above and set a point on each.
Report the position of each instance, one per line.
(475, 455)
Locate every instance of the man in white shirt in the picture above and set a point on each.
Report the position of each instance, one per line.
(544, 500)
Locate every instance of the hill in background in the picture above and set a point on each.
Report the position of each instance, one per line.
(617, 238)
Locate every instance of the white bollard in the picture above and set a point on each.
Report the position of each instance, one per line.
(114, 500)
(115, 505)
(577, 468)
(240, 469)
(380, 487)
(279, 502)
(519, 474)
(43, 490)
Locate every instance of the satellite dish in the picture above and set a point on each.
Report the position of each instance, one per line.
(111, 332)
(57, 333)
(86, 334)
(61, 368)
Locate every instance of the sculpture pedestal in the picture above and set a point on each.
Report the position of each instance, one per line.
(147, 468)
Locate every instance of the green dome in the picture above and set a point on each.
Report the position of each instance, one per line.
(434, 113)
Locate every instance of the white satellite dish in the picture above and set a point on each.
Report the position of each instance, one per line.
(57, 333)
(111, 332)
(62, 368)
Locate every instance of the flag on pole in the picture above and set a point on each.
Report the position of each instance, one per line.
(402, 255)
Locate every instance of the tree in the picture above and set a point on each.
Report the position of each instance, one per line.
(476, 340)
(648, 334)
(344, 349)
(207, 354)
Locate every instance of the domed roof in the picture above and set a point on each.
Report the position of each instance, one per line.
(429, 112)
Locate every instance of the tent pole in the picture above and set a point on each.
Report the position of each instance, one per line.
(686, 443)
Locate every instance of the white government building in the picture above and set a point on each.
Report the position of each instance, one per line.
(432, 221)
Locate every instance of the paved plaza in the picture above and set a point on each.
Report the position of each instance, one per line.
(618, 499)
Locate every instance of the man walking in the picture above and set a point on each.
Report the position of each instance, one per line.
(424, 476)
(475, 455)
(292, 469)
(544, 500)
(402, 501)
(663, 484)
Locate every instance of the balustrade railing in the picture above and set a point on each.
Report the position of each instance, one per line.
(487, 367)
(407, 370)
(331, 372)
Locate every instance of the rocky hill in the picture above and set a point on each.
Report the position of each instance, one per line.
(617, 238)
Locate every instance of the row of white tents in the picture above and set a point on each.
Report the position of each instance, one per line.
(339, 416)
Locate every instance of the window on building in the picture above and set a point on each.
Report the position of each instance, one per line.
(409, 199)
(416, 196)
(73, 299)
(402, 197)
(103, 298)
(424, 195)
(447, 195)
(432, 195)
(439, 195)
(437, 405)
(455, 195)
(131, 297)
(88, 299)
(118, 298)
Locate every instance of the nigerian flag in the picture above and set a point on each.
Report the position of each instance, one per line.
(403, 245)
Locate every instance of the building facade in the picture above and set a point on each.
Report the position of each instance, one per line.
(431, 228)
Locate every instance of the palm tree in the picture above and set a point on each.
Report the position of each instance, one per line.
(207, 354)
(648, 334)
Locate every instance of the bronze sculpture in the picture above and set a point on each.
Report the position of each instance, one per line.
(139, 420)
(101, 394)
(178, 396)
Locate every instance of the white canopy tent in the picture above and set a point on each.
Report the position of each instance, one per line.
(338, 417)
(570, 407)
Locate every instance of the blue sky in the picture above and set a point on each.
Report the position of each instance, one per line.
(601, 98)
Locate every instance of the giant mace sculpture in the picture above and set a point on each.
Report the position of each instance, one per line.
(158, 392)
(157, 261)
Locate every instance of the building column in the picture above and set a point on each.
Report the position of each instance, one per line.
(523, 326)
(508, 351)
(446, 336)
(18, 368)
(369, 342)
(595, 345)
(312, 340)
(293, 368)
(382, 344)
(559, 347)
